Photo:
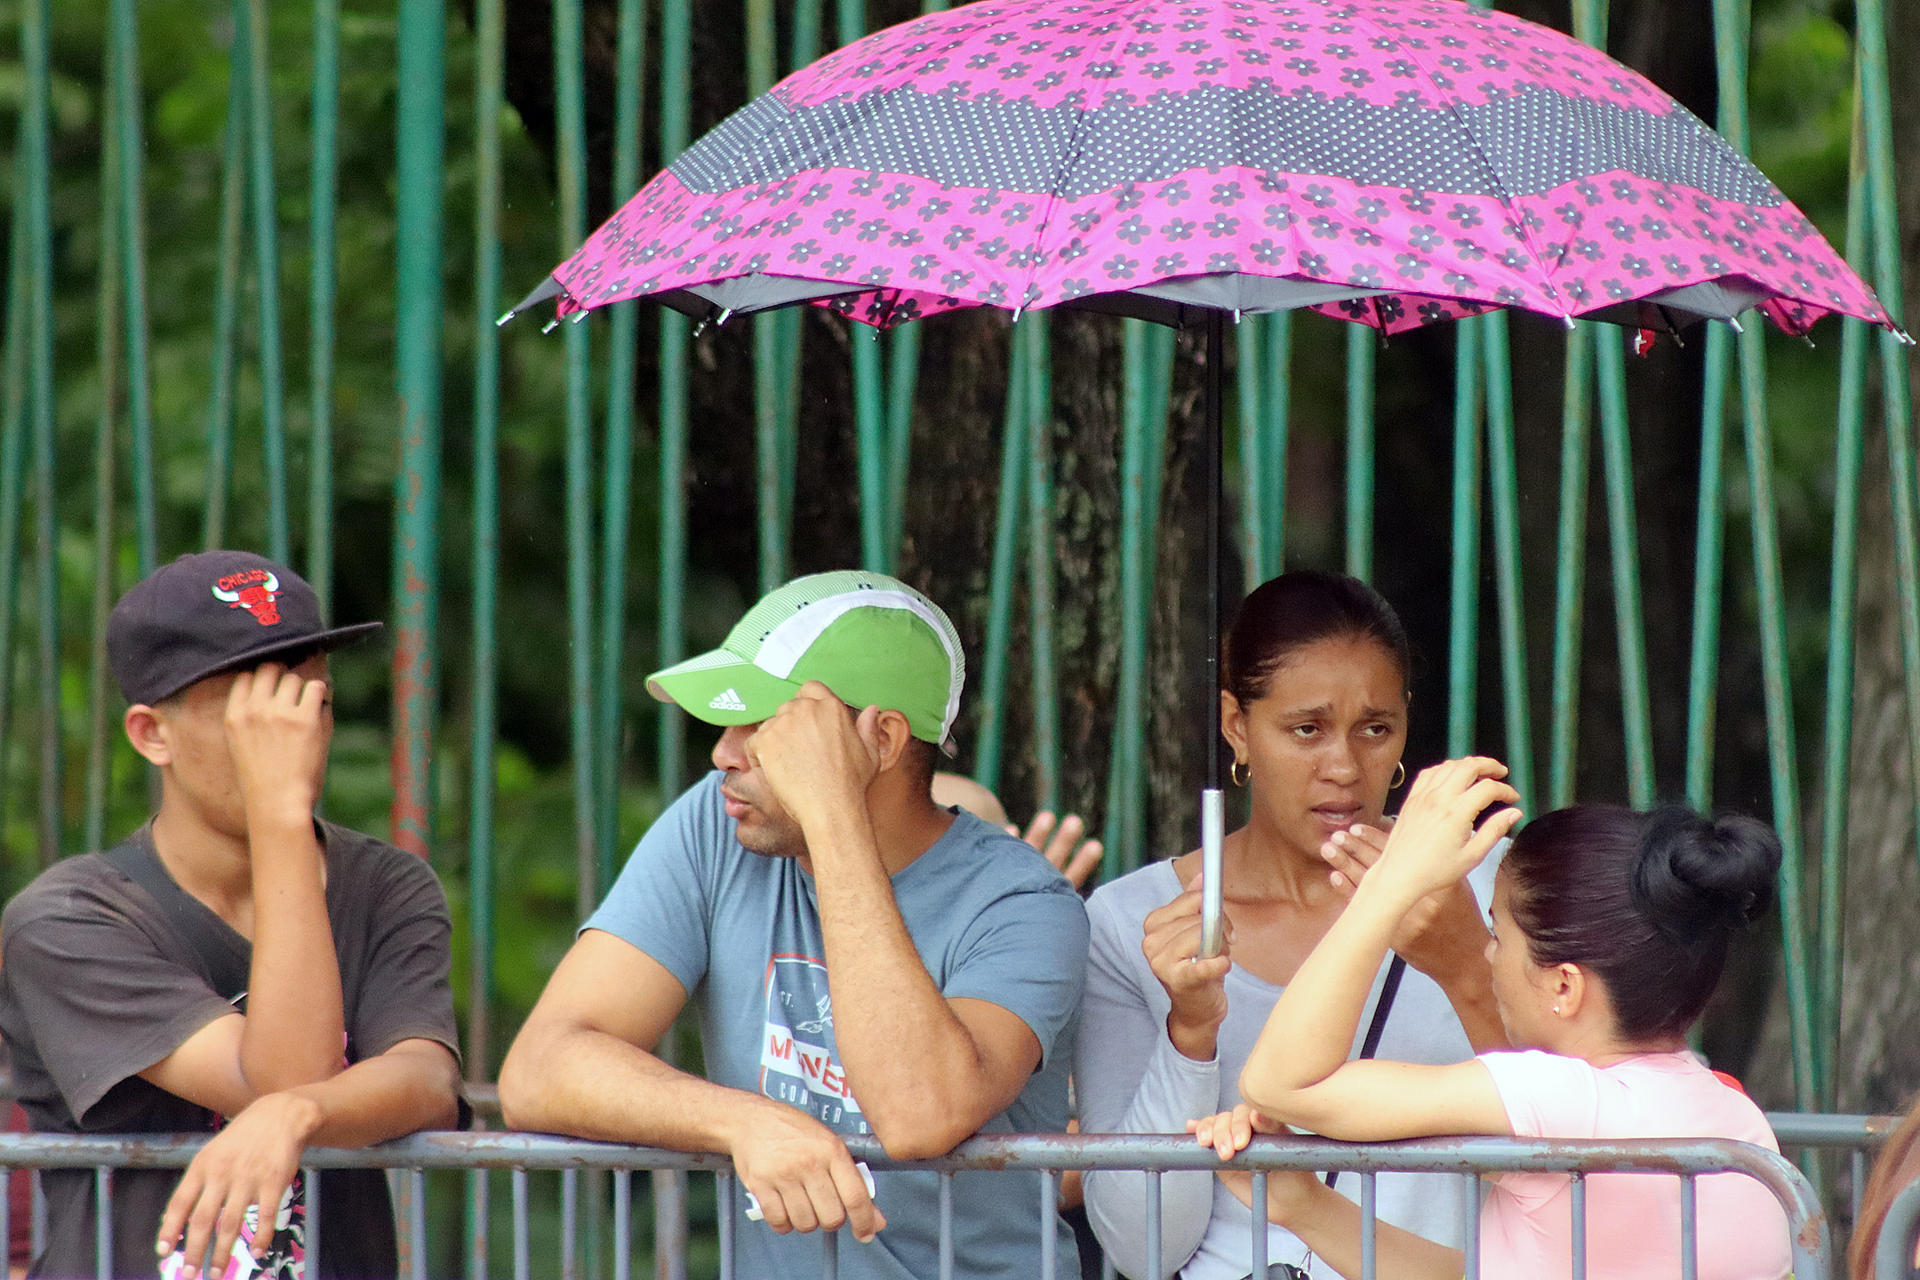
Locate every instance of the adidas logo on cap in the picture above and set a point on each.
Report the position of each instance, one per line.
(727, 700)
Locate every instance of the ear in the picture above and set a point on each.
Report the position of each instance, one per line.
(895, 734)
(1568, 985)
(1233, 724)
(147, 731)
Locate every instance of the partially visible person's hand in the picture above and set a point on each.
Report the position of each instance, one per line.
(1229, 1132)
(250, 1162)
(1441, 934)
(800, 1172)
(1197, 988)
(1063, 842)
(814, 753)
(279, 724)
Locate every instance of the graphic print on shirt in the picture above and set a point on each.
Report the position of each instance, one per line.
(798, 1064)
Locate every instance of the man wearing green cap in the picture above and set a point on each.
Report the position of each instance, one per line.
(864, 961)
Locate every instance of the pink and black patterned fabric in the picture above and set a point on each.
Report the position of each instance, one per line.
(1392, 162)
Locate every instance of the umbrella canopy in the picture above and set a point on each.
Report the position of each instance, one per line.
(1393, 162)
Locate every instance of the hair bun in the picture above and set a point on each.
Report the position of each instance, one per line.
(1694, 878)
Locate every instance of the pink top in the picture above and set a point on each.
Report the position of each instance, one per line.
(1633, 1219)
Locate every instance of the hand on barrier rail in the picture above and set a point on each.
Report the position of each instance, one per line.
(1170, 940)
(1229, 1132)
(800, 1176)
(1443, 934)
(249, 1163)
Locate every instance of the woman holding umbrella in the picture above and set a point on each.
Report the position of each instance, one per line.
(1315, 706)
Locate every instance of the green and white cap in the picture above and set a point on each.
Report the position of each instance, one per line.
(872, 639)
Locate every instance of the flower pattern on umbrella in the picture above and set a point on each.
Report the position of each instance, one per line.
(1391, 162)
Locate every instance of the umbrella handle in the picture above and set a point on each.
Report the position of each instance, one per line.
(1213, 825)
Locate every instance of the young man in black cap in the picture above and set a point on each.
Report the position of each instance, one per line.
(234, 957)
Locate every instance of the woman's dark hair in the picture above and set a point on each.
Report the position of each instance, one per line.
(1285, 614)
(1647, 901)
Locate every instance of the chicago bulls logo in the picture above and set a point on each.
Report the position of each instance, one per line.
(253, 590)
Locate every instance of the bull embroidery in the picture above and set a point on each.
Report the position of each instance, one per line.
(254, 590)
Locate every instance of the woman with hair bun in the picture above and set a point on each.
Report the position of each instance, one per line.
(1314, 705)
(1610, 929)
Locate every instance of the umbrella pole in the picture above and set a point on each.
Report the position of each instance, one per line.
(1212, 803)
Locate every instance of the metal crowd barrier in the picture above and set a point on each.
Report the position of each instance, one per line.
(1043, 1156)
(1893, 1252)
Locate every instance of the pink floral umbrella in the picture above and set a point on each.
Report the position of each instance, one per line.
(1390, 162)
(1393, 162)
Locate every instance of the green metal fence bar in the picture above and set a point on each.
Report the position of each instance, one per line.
(420, 125)
(323, 169)
(128, 169)
(1142, 444)
(1016, 431)
(35, 147)
(617, 506)
(13, 458)
(1730, 21)
(1463, 603)
(265, 207)
(676, 53)
(1504, 490)
(870, 427)
(1570, 565)
(570, 147)
(1623, 538)
(1031, 333)
(1849, 454)
(1249, 368)
(488, 98)
(1361, 342)
(773, 354)
(226, 295)
(107, 349)
(1277, 411)
(1897, 392)
(1709, 569)
(903, 379)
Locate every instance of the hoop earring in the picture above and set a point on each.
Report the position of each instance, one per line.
(1241, 772)
(1399, 775)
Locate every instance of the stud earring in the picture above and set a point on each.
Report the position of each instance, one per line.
(1556, 1008)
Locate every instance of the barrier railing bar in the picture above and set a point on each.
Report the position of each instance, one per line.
(723, 1210)
(622, 1224)
(103, 1222)
(1473, 1231)
(311, 1176)
(1689, 1229)
(1369, 1229)
(1893, 1252)
(569, 1223)
(946, 1226)
(1579, 1207)
(417, 1220)
(1257, 1252)
(521, 1267)
(1155, 1259)
(830, 1253)
(1815, 1129)
(1049, 1209)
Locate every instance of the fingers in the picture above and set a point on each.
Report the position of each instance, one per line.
(1082, 864)
(854, 1203)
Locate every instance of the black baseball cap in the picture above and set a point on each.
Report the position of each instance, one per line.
(212, 612)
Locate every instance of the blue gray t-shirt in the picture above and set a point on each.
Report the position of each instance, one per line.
(992, 920)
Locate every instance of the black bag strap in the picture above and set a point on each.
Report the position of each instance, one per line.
(225, 966)
(1389, 987)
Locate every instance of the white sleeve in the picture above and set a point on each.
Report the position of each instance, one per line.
(1130, 1079)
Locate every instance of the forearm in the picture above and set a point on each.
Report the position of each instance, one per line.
(1312, 1025)
(295, 1030)
(589, 1084)
(413, 1086)
(1330, 1224)
(886, 1007)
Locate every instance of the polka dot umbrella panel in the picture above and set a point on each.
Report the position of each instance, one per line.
(1392, 162)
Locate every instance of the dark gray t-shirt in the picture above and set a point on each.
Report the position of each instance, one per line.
(97, 984)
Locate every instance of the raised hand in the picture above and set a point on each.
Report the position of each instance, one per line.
(1434, 842)
(1198, 988)
(1062, 842)
(279, 723)
(814, 753)
(1440, 934)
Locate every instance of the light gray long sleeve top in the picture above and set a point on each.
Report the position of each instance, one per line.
(1130, 1079)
